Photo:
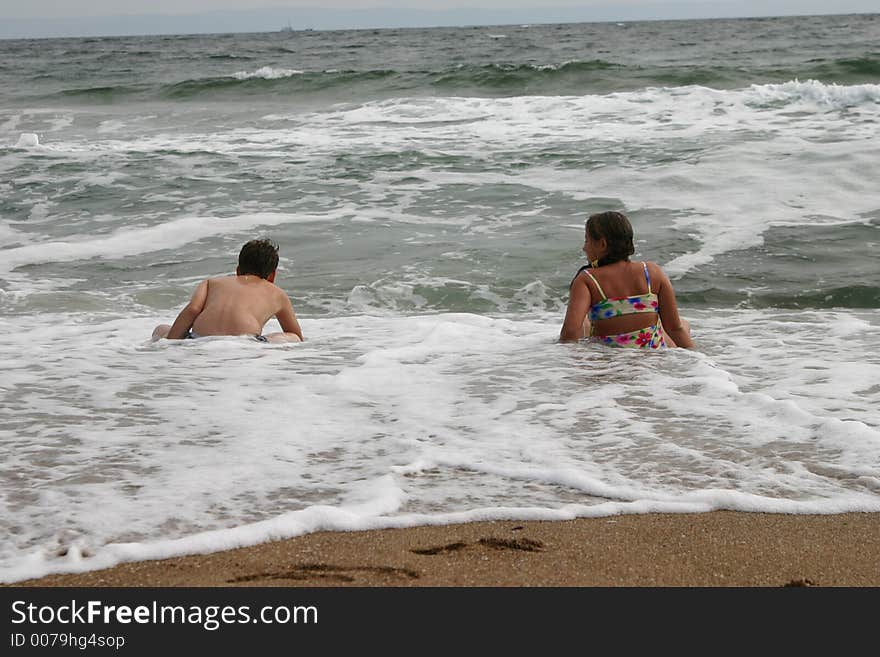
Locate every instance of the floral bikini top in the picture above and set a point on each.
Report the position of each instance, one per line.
(647, 338)
(607, 308)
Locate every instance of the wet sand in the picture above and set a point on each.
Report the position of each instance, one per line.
(722, 548)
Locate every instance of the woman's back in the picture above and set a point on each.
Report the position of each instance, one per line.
(624, 305)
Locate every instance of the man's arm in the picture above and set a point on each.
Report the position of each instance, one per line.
(181, 326)
(287, 318)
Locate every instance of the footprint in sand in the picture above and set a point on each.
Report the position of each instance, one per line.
(521, 544)
(328, 572)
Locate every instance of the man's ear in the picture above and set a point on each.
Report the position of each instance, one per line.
(271, 277)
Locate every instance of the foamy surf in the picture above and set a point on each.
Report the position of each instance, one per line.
(27, 140)
(267, 73)
(137, 241)
(398, 421)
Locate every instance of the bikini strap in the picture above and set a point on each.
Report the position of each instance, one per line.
(647, 275)
(598, 287)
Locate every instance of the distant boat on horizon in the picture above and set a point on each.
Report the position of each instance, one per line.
(288, 28)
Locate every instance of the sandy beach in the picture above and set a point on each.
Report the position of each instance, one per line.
(720, 548)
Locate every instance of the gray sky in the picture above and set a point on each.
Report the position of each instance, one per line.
(57, 8)
(26, 18)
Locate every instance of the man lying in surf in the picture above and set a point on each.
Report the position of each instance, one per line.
(240, 304)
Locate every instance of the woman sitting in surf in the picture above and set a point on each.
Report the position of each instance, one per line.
(630, 304)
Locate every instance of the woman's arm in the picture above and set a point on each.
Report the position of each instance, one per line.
(574, 325)
(673, 324)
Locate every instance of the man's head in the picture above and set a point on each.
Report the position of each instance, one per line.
(259, 258)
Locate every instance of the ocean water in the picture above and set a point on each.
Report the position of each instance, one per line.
(428, 190)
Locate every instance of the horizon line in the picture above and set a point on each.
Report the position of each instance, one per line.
(287, 29)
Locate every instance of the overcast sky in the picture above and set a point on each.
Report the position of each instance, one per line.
(64, 8)
(23, 18)
(50, 8)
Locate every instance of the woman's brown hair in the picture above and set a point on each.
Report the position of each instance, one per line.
(618, 233)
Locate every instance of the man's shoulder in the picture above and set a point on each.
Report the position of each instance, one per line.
(277, 291)
(219, 284)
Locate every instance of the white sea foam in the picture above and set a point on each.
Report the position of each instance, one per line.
(62, 122)
(8, 235)
(39, 212)
(267, 73)
(801, 135)
(813, 141)
(817, 94)
(132, 241)
(27, 140)
(10, 123)
(111, 126)
(389, 421)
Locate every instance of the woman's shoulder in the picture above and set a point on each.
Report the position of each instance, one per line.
(655, 271)
(583, 270)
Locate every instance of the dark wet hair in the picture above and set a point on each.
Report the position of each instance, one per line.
(618, 233)
(258, 257)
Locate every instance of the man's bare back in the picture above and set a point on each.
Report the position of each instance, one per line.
(238, 305)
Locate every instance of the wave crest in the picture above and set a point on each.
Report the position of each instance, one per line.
(267, 73)
(819, 93)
